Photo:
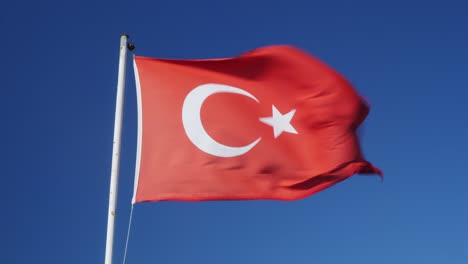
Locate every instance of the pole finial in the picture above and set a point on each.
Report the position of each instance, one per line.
(130, 46)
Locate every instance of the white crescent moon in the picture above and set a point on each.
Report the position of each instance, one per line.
(193, 124)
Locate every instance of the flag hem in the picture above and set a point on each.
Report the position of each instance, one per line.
(139, 132)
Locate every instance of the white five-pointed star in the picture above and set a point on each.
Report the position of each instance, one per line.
(280, 122)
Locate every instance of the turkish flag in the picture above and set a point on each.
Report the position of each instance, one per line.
(273, 123)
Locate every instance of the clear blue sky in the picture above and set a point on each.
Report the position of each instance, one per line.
(59, 72)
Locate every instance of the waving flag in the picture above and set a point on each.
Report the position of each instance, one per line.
(273, 123)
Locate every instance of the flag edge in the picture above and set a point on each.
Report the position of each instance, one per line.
(139, 132)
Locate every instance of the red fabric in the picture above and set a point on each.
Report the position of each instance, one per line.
(324, 151)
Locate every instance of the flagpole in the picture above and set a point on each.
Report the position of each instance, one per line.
(116, 148)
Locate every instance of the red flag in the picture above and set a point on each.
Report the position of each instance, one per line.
(273, 123)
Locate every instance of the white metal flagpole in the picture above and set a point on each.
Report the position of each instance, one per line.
(116, 149)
